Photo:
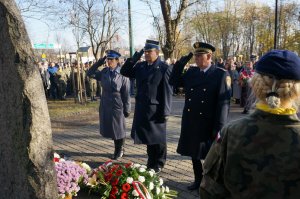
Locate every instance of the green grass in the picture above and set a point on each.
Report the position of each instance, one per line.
(68, 107)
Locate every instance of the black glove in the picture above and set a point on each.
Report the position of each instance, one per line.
(101, 61)
(184, 60)
(91, 72)
(126, 114)
(178, 67)
(137, 55)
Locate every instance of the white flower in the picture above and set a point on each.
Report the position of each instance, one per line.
(136, 165)
(151, 173)
(86, 167)
(151, 186)
(141, 179)
(167, 189)
(135, 193)
(143, 166)
(142, 169)
(163, 189)
(129, 180)
(161, 182)
(157, 190)
(56, 155)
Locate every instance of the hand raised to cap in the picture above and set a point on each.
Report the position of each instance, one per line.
(101, 61)
(137, 55)
(185, 59)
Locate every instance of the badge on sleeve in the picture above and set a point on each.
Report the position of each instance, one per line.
(228, 81)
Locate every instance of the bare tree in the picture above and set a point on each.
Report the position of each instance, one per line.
(95, 20)
(26, 154)
(170, 33)
(36, 9)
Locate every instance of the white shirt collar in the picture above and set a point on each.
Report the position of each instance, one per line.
(206, 69)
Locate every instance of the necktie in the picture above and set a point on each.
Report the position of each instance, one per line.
(202, 74)
(111, 74)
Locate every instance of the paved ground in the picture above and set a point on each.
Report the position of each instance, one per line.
(78, 138)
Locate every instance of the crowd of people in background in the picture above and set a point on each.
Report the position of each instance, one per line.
(60, 80)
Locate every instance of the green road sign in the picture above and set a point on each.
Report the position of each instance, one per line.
(43, 46)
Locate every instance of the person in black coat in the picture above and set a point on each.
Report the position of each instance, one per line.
(153, 102)
(207, 99)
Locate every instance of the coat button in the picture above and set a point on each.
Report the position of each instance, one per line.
(202, 102)
(189, 110)
(204, 89)
(200, 113)
(192, 89)
(190, 100)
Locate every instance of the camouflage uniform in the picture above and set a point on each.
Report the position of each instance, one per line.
(61, 83)
(256, 157)
(92, 83)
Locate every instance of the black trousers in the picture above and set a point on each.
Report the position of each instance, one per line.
(197, 167)
(157, 155)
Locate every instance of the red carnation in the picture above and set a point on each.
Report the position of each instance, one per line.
(128, 165)
(108, 177)
(119, 172)
(114, 190)
(124, 195)
(126, 187)
(115, 182)
(111, 196)
(115, 167)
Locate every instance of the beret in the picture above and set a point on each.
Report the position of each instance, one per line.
(112, 54)
(281, 64)
(151, 44)
(202, 48)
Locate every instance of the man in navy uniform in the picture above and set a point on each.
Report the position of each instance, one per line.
(153, 102)
(207, 100)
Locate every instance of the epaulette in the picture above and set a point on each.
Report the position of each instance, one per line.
(223, 69)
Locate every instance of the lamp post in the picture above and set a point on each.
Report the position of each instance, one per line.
(276, 24)
(130, 30)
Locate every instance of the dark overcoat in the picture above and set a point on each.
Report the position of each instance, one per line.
(207, 100)
(115, 101)
(153, 101)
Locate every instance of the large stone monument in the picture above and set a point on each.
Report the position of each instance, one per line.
(26, 166)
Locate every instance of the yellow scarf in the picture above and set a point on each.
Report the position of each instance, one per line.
(277, 111)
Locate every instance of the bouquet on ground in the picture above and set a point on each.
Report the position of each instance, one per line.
(124, 181)
(70, 176)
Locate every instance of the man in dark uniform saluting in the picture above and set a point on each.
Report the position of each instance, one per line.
(153, 102)
(207, 99)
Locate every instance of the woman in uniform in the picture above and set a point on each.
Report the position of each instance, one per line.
(258, 156)
(115, 102)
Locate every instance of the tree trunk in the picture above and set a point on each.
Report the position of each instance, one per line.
(171, 26)
(26, 155)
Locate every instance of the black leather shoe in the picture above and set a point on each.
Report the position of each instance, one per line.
(118, 155)
(245, 112)
(156, 170)
(194, 186)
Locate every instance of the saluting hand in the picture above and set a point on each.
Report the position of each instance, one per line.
(137, 55)
(184, 59)
(101, 61)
